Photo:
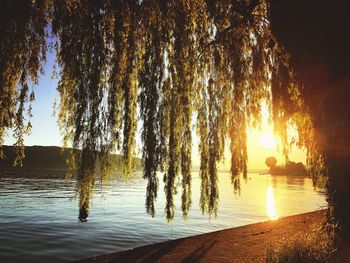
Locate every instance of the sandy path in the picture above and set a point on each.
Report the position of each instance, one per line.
(242, 244)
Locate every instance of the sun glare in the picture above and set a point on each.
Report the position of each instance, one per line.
(267, 141)
(270, 204)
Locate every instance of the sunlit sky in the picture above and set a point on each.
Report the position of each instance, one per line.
(45, 130)
(261, 142)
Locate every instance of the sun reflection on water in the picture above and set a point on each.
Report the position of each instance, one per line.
(270, 204)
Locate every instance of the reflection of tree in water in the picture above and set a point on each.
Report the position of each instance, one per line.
(83, 212)
(296, 180)
(274, 181)
(177, 59)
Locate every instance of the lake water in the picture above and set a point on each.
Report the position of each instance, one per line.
(38, 217)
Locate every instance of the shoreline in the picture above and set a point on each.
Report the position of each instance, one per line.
(247, 243)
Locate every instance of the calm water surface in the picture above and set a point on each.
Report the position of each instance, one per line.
(38, 217)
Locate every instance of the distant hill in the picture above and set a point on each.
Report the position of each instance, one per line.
(36, 158)
(44, 159)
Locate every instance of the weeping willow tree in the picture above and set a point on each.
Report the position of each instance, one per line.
(173, 64)
(177, 61)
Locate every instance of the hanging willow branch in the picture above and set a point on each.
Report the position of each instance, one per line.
(22, 52)
(209, 62)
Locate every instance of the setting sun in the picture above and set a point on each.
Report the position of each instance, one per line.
(267, 141)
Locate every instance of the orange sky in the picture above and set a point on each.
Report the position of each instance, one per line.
(258, 152)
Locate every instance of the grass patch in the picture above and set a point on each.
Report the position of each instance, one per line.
(315, 249)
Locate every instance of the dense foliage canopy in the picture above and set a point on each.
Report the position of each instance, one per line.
(271, 162)
(173, 63)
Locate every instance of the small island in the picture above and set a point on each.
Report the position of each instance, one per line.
(290, 168)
